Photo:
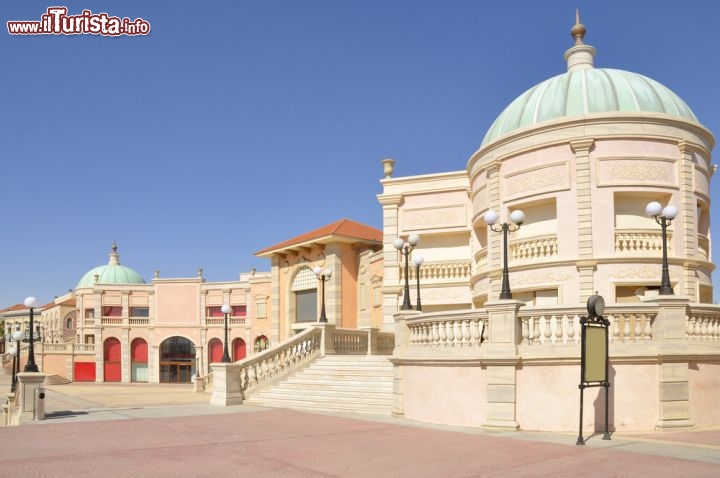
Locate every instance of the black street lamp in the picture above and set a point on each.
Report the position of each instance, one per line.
(405, 249)
(31, 366)
(517, 217)
(226, 309)
(323, 276)
(417, 262)
(17, 336)
(664, 217)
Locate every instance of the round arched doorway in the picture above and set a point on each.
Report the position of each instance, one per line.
(215, 351)
(261, 343)
(112, 352)
(239, 350)
(177, 360)
(139, 361)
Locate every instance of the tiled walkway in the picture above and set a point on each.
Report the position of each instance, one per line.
(114, 430)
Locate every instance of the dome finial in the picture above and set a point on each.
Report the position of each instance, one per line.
(114, 256)
(579, 56)
(578, 30)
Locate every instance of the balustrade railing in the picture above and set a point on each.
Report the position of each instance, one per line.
(703, 323)
(439, 271)
(238, 320)
(640, 242)
(558, 325)
(277, 361)
(440, 330)
(111, 320)
(704, 246)
(204, 383)
(350, 341)
(481, 259)
(534, 248)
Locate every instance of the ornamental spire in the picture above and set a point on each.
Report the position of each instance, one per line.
(578, 30)
(114, 256)
(580, 56)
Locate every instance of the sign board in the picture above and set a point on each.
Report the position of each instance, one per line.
(595, 354)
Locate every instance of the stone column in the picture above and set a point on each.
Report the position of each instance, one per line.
(502, 359)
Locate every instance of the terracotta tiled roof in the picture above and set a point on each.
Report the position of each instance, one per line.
(49, 304)
(14, 308)
(344, 228)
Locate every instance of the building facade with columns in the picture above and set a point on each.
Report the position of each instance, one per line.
(582, 155)
(115, 327)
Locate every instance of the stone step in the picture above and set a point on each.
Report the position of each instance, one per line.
(314, 372)
(306, 390)
(56, 380)
(349, 384)
(328, 406)
(335, 383)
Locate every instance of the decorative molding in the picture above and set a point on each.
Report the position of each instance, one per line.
(581, 145)
(646, 272)
(534, 278)
(434, 218)
(634, 171)
(547, 178)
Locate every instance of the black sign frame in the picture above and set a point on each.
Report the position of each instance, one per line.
(594, 362)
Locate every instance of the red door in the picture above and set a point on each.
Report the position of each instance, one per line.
(111, 361)
(238, 350)
(84, 372)
(215, 351)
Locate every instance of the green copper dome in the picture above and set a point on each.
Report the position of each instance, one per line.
(584, 91)
(112, 273)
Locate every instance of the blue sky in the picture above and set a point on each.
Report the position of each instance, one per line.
(237, 125)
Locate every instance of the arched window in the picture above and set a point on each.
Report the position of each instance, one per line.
(304, 287)
(261, 343)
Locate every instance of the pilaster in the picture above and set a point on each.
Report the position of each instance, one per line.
(502, 360)
(494, 259)
(583, 191)
(391, 229)
(687, 220)
(673, 385)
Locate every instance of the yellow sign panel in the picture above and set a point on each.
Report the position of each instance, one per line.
(595, 354)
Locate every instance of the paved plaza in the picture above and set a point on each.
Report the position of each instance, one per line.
(143, 430)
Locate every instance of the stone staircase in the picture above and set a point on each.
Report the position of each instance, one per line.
(56, 380)
(334, 383)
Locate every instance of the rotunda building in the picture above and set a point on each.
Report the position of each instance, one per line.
(582, 154)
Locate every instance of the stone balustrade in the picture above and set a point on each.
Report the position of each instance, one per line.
(704, 247)
(442, 330)
(645, 242)
(558, 325)
(233, 320)
(703, 323)
(439, 271)
(533, 248)
(481, 260)
(232, 382)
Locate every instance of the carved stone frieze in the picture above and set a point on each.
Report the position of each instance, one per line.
(553, 177)
(645, 272)
(434, 218)
(540, 278)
